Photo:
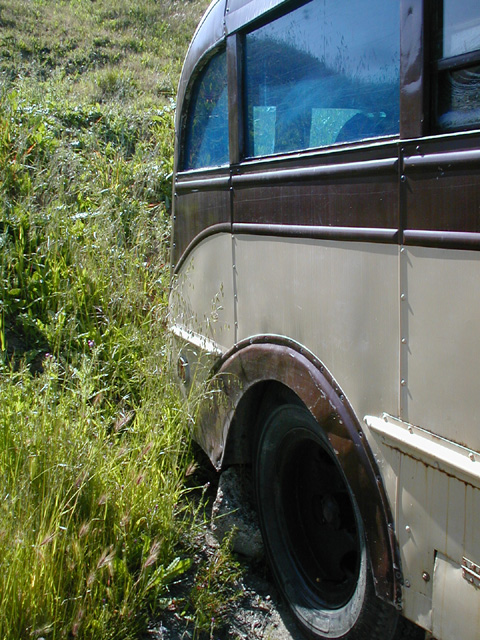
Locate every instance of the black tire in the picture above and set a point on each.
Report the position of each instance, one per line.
(313, 532)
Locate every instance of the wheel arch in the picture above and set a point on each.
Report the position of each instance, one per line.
(262, 373)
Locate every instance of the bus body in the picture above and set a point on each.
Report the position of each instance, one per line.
(326, 259)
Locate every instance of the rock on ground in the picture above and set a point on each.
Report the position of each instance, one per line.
(232, 510)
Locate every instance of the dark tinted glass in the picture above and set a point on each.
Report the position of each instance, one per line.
(461, 27)
(458, 80)
(206, 140)
(326, 73)
(459, 99)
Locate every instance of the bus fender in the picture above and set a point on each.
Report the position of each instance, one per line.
(272, 359)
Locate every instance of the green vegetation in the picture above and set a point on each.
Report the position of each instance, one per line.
(96, 520)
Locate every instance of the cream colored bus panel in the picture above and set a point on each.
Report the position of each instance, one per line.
(456, 613)
(436, 502)
(340, 300)
(201, 301)
(441, 352)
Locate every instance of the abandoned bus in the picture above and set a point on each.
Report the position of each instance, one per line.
(326, 259)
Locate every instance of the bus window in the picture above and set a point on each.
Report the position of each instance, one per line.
(458, 66)
(323, 74)
(206, 143)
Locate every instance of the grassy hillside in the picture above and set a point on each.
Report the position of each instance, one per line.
(95, 516)
(86, 108)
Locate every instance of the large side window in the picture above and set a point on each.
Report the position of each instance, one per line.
(206, 134)
(326, 73)
(458, 65)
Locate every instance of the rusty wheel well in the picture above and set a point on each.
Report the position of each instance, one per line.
(263, 375)
(252, 410)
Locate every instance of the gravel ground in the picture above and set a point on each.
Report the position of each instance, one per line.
(259, 613)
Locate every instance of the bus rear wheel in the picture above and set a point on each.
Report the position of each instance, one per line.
(313, 532)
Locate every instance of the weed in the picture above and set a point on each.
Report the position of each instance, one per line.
(216, 588)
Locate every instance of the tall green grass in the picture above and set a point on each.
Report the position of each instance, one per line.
(91, 517)
(95, 518)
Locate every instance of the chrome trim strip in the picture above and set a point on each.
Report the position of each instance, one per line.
(196, 339)
(359, 234)
(202, 184)
(442, 239)
(440, 160)
(342, 170)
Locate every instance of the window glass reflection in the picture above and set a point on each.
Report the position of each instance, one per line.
(206, 140)
(326, 73)
(461, 27)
